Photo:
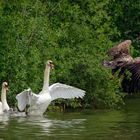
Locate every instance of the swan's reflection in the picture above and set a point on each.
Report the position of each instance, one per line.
(40, 126)
(4, 118)
(49, 125)
(4, 121)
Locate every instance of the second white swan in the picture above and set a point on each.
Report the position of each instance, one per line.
(38, 103)
(4, 107)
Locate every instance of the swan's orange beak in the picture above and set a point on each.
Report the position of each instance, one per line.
(52, 66)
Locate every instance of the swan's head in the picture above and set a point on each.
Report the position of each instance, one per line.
(50, 64)
(5, 85)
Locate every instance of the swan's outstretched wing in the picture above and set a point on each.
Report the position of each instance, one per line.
(22, 99)
(59, 90)
(26, 97)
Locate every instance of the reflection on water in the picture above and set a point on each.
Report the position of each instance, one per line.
(88, 124)
(38, 127)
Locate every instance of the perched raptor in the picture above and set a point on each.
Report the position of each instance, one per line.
(122, 62)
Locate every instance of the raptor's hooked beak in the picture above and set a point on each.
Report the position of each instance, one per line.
(109, 64)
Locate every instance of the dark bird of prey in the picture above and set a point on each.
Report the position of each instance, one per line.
(122, 62)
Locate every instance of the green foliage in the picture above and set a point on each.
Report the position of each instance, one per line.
(125, 15)
(74, 34)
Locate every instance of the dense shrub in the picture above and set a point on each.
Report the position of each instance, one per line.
(74, 34)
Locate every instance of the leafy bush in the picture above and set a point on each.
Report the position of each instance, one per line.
(74, 34)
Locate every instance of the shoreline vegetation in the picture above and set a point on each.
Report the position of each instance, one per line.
(75, 35)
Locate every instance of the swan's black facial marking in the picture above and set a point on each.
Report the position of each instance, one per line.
(50, 64)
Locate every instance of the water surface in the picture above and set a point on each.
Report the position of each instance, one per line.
(87, 124)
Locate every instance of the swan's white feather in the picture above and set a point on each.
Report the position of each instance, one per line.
(37, 102)
(22, 99)
(32, 98)
(59, 90)
(26, 97)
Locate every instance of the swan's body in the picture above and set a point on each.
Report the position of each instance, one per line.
(39, 102)
(1, 111)
(4, 107)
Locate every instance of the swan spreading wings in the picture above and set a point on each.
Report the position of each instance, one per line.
(127, 66)
(38, 103)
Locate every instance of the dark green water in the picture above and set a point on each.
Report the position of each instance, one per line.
(85, 125)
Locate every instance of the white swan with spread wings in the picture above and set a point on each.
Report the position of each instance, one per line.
(38, 103)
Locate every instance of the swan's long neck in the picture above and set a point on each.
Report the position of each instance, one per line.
(5, 105)
(46, 78)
